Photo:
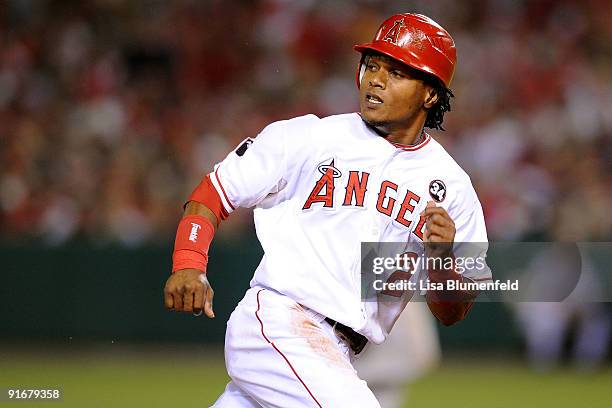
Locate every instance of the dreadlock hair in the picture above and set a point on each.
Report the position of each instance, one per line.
(435, 115)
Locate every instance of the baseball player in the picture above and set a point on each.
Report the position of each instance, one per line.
(320, 187)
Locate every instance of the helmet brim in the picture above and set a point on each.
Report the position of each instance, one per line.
(391, 51)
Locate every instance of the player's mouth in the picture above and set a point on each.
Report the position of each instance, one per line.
(373, 100)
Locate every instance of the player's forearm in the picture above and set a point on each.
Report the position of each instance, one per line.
(447, 310)
(449, 306)
(201, 217)
(195, 208)
(193, 237)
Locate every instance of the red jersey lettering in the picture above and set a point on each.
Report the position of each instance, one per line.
(388, 209)
(356, 187)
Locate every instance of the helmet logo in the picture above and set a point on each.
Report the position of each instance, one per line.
(418, 38)
(393, 34)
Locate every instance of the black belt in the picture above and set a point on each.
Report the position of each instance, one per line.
(355, 340)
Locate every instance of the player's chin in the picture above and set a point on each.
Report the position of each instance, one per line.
(376, 119)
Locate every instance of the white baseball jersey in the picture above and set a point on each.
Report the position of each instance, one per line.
(321, 186)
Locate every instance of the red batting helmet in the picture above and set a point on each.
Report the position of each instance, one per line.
(417, 41)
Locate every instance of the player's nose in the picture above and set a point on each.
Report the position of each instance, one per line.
(379, 79)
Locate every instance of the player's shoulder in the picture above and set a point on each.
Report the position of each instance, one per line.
(341, 119)
(311, 121)
(325, 130)
(303, 120)
(287, 131)
(342, 129)
(450, 175)
(329, 132)
(447, 164)
(296, 124)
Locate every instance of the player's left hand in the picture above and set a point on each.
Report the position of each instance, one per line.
(439, 231)
(188, 290)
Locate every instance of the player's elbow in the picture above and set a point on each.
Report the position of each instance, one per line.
(447, 320)
(449, 313)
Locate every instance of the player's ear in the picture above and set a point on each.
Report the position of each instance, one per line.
(431, 96)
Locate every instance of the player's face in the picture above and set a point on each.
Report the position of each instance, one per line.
(390, 97)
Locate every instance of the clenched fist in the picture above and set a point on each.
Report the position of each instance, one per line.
(439, 231)
(188, 290)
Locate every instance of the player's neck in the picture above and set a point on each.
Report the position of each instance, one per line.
(410, 135)
(409, 140)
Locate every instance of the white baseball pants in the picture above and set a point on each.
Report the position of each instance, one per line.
(280, 354)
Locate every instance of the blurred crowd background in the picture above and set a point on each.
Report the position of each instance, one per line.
(111, 111)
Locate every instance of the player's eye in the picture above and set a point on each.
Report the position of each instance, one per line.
(372, 66)
(398, 74)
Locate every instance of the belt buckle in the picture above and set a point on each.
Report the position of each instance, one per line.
(341, 335)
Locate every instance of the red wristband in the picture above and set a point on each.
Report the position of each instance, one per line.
(193, 237)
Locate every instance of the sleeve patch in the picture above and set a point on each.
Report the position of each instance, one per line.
(242, 148)
(437, 190)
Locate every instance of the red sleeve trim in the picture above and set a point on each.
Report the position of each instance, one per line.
(223, 190)
(206, 194)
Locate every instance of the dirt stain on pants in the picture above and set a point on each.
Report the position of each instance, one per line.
(304, 326)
